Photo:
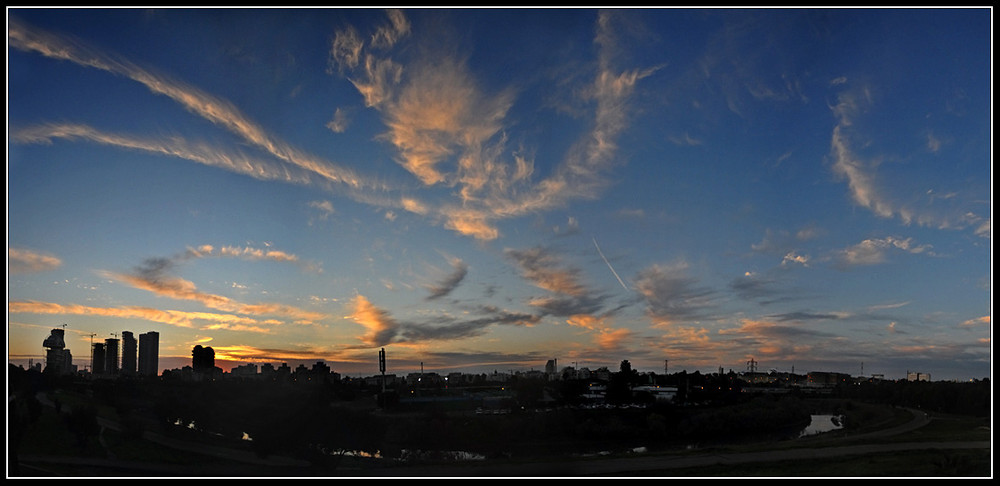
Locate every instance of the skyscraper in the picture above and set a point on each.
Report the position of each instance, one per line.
(149, 350)
(111, 356)
(129, 351)
(97, 360)
(58, 359)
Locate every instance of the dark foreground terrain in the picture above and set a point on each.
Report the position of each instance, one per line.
(240, 430)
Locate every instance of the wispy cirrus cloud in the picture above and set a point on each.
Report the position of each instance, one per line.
(769, 339)
(449, 329)
(449, 131)
(613, 339)
(444, 287)
(216, 110)
(545, 270)
(339, 122)
(203, 153)
(874, 251)
(246, 253)
(785, 244)
(671, 295)
(605, 336)
(764, 289)
(185, 319)
(21, 260)
(446, 128)
(979, 321)
(865, 186)
(800, 316)
(154, 275)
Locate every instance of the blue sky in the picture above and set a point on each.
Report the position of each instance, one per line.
(478, 190)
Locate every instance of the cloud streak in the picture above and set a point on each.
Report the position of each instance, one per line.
(863, 181)
(216, 110)
(175, 318)
(459, 270)
(21, 261)
(154, 275)
(383, 329)
(874, 251)
(671, 296)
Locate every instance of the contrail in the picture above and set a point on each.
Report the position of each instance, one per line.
(599, 252)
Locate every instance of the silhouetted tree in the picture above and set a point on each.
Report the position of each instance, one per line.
(625, 367)
(629, 375)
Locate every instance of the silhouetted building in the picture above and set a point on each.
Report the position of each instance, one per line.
(827, 378)
(248, 370)
(284, 372)
(129, 350)
(550, 367)
(149, 353)
(111, 356)
(97, 360)
(321, 368)
(202, 358)
(58, 359)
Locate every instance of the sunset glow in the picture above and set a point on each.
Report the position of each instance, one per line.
(479, 190)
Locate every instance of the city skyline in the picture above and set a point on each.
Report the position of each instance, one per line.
(493, 188)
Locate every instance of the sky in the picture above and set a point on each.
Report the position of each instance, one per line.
(488, 189)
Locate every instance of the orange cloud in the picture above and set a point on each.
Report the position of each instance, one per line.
(29, 261)
(587, 321)
(181, 289)
(174, 318)
(611, 338)
(984, 320)
(381, 327)
(471, 223)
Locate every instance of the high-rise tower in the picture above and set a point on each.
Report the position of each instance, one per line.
(129, 350)
(149, 351)
(97, 360)
(58, 359)
(111, 356)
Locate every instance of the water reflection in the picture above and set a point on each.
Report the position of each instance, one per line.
(823, 423)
